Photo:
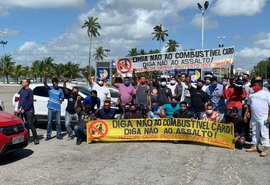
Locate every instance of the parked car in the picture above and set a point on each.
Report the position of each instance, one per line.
(13, 134)
(2, 107)
(41, 99)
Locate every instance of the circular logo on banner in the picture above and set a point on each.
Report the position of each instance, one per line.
(124, 65)
(97, 129)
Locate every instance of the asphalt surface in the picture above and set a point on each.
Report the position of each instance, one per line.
(63, 162)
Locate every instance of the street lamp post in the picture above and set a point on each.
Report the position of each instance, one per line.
(3, 44)
(221, 37)
(205, 6)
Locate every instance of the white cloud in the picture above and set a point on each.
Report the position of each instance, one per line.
(262, 40)
(41, 3)
(208, 23)
(238, 7)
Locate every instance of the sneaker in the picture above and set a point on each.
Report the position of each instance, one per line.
(59, 137)
(78, 142)
(48, 138)
(252, 149)
(264, 152)
(36, 142)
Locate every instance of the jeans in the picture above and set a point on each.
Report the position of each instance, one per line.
(80, 133)
(29, 122)
(260, 131)
(57, 114)
(198, 115)
(68, 118)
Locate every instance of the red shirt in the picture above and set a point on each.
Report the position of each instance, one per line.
(234, 97)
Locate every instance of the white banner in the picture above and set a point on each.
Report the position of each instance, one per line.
(209, 58)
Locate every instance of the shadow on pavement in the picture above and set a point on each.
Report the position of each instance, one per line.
(16, 156)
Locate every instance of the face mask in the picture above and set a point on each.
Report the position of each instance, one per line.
(256, 88)
(132, 109)
(174, 104)
(126, 83)
(199, 87)
(163, 84)
(100, 82)
(183, 108)
(207, 82)
(209, 111)
(224, 83)
(74, 95)
(154, 108)
(172, 82)
(143, 81)
(213, 85)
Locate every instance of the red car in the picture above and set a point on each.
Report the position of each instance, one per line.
(13, 134)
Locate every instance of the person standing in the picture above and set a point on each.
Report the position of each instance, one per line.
(26, 108)
(71, 113)
(164, 93)
(56, 97)
(103, 90)
(258, 104)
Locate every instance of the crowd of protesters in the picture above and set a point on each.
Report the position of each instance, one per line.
(239, 100)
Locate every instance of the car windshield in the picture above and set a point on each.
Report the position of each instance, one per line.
(85, 90)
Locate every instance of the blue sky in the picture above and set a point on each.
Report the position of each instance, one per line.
(41, 28)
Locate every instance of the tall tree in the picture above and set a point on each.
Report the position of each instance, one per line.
(7, 66)
(133, 52)
(92, 31)
(48, 66)
(37, 69)
(72, 70)
(142, 52)
(172, 45)
(100, 54)
(159, 34)
(17, 72)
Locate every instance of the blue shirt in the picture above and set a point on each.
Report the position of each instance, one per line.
(26, 99)
(218, 103)
(169, 110)
(92, 102)
(54, 98)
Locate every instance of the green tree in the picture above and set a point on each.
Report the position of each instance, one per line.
(92, 31)
(59, 70)
(100, 54)
(142, 52)
(171, 45)
(159, 34)
(7, 67)
(17, 72)
(72, 70)
(37, 69)
(153, 51)
(48, 66)
(262, 69)
(133, 52)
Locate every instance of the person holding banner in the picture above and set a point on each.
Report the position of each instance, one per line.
(170, 108)
(107, 112)
(210, 114)
(183, 112)
(127, 93)
(258, 105)
(103, 91)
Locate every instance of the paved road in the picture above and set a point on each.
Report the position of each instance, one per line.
(63, 162)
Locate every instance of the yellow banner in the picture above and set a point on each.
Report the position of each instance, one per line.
(208, 132)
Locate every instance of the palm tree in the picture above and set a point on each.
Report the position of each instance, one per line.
(142, 52)
(72, 70)
(159, 34)
(172, 45)
(17, 72)
(92, 31)
(100, 53)
(153, 51)
(7, 66)
(37, 69)
(133, 52)
(48, 66)
(59, 70)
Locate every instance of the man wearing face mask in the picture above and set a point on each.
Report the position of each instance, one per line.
(183, 112)
(92, 101)
(142, 90)
(127, 93)
(133, 112)
(103, 91)
(216, 96)
(210, 114)
(164, 93)
(155, 111)
(225, 82)
(172, 85)
(258, 105)
(170, 108)
(207, 80)
(199, 99)
(71, 113)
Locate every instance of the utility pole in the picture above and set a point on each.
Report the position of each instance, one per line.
(3, 42)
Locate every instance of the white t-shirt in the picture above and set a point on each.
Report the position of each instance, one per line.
(259, 103)
(103, 92)
(185, 92)
(172, 87)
